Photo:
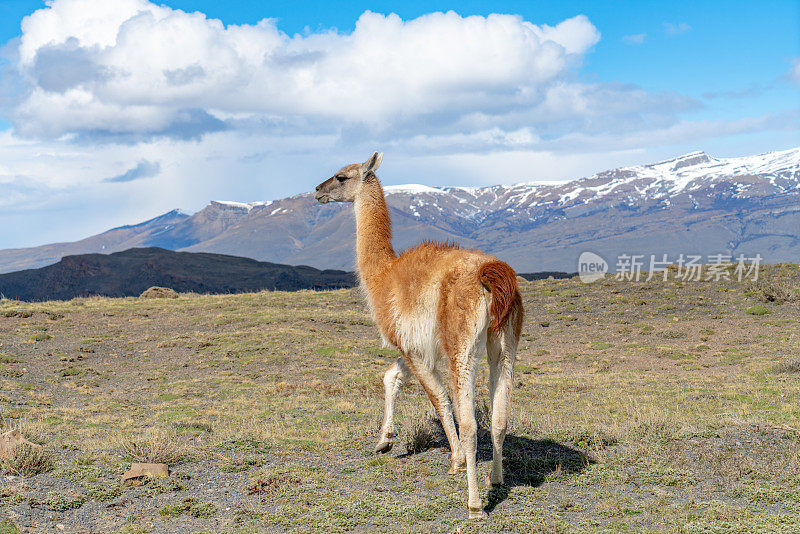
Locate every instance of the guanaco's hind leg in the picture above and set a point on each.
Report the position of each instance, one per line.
(432, 384)
(468, 431)
(394, 378)
(501, 351)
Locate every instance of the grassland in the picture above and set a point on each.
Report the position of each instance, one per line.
(662, 406)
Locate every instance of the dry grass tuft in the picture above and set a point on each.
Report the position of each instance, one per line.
(651, 425)
(789, 366)
(777, 291)
(155, 446)
(32, 430)
(27, 461)
(421, 434)
(156, 292)
(424, 431)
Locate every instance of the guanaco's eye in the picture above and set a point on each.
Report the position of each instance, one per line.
(341, 177)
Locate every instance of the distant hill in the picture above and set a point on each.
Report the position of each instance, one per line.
(148, 233)
(692, 204)
(130, 272)
(543, 275)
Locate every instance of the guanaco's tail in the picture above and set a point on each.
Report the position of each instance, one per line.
(501, 281)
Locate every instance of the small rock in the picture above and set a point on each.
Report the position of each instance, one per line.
(138, 471)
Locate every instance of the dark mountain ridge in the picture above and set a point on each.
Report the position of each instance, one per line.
(130, 272)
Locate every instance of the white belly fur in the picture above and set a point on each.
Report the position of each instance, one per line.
(418, 332)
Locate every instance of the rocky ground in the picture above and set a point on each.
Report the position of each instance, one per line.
(659, 405)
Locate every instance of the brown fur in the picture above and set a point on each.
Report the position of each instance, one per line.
(394, 281)
(501, 280)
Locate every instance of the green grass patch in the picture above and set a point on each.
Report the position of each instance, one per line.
(61, 502)
(7, 526)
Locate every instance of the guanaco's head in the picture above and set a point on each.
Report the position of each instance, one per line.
(344, 185)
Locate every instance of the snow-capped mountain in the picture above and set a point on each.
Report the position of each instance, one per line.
(693, 175)
(692, 204)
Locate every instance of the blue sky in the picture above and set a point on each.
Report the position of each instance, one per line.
(114, 112)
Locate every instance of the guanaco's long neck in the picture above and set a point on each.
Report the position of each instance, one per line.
(374, 250)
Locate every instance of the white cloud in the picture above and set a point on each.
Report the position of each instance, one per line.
(671, 28)
(637, 38)
(134, 67)
(138, 71)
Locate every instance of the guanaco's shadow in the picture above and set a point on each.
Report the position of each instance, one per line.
(526, 461)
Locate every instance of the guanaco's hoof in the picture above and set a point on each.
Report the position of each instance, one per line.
(384, 446)
(457, 468)
(477, 513)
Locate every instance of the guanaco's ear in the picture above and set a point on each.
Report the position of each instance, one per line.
(372, 164)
